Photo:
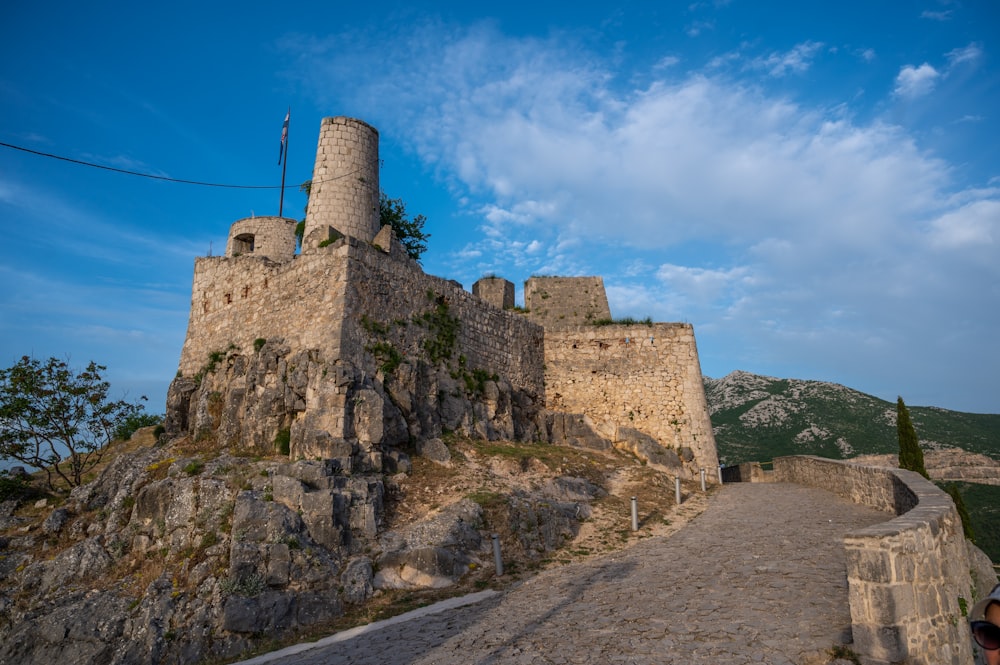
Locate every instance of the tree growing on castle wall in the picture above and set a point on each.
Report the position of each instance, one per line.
(58, 420)
(409, 232)
(911, 457)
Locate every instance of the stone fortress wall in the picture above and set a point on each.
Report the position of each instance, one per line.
(323, 298)
(566, 301)
(643, 377)
(353, 287)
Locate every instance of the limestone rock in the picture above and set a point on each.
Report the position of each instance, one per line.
(567, 429)
(567, 488)
(357, 580)
(54, 523)
(431, 553)
(422, 568)
(647, 449)
(272, 610)
(434, 450)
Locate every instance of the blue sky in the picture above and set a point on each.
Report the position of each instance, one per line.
(815, 186)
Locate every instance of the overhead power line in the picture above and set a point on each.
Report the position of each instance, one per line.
(148, 175)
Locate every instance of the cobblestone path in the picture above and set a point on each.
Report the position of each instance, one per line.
(758, 577)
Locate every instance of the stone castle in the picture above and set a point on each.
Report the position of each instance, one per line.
(348, 351)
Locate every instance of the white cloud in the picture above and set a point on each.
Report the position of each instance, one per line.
(843, 244)
(797, 60)
(695, 28)
(666, 62)
(913, 82)
(975, 225)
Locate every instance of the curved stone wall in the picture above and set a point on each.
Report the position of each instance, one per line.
(271, 237)
(909, 577)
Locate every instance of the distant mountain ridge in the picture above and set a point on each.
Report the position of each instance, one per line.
(757, 418)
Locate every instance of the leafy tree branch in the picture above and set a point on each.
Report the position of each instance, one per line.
(59, 420)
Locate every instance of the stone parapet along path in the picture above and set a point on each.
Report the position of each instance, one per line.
(758, 577)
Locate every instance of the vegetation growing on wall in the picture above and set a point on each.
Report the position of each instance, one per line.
(627, 321)
(443, 329)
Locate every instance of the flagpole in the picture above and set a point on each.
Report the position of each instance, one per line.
(284, 166)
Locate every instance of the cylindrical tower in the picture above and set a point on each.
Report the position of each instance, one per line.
(273, 237)
(345, 188)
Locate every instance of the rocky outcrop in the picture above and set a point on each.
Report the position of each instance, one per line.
(170, 556)
(275, 396)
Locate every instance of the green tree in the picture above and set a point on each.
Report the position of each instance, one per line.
(409, 232)
(911, 457)
(58, 420)
(963, 512)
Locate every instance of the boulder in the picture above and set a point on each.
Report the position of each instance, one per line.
(54, 523)
(435, 450)
(357, 580)
(648, 450)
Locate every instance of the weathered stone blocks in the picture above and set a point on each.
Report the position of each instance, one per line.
(909, 576)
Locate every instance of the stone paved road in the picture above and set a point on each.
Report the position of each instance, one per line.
(757, 578)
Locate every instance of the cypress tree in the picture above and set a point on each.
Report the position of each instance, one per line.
(911, 457)
(963, 512)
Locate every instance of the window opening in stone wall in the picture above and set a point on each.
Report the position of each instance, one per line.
(243, 243)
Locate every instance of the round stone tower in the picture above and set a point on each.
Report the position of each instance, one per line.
(273, 237)
(345, 187)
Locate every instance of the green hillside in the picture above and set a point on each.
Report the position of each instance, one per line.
(757, 418)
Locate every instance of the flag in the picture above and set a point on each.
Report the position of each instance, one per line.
(284, 136)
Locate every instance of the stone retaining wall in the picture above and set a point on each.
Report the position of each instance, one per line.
(909, 577)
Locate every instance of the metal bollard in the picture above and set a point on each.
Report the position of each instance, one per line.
(720, 474)
(703, 480)
(677, 489)
(635, 514)
(497, 559)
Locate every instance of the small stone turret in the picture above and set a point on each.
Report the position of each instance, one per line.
(272, 237)
(345, 184)
(496, 291)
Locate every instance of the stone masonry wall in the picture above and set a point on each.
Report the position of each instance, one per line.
(345, 184)
(566, 301)
(273, 237)
(236, 300)
(496, 291)
(392, 293)
(907, 575)
(636, 376)
(327, 300)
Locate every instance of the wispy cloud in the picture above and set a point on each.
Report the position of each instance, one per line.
(937, 16)
(796, 61)
(967, 54)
